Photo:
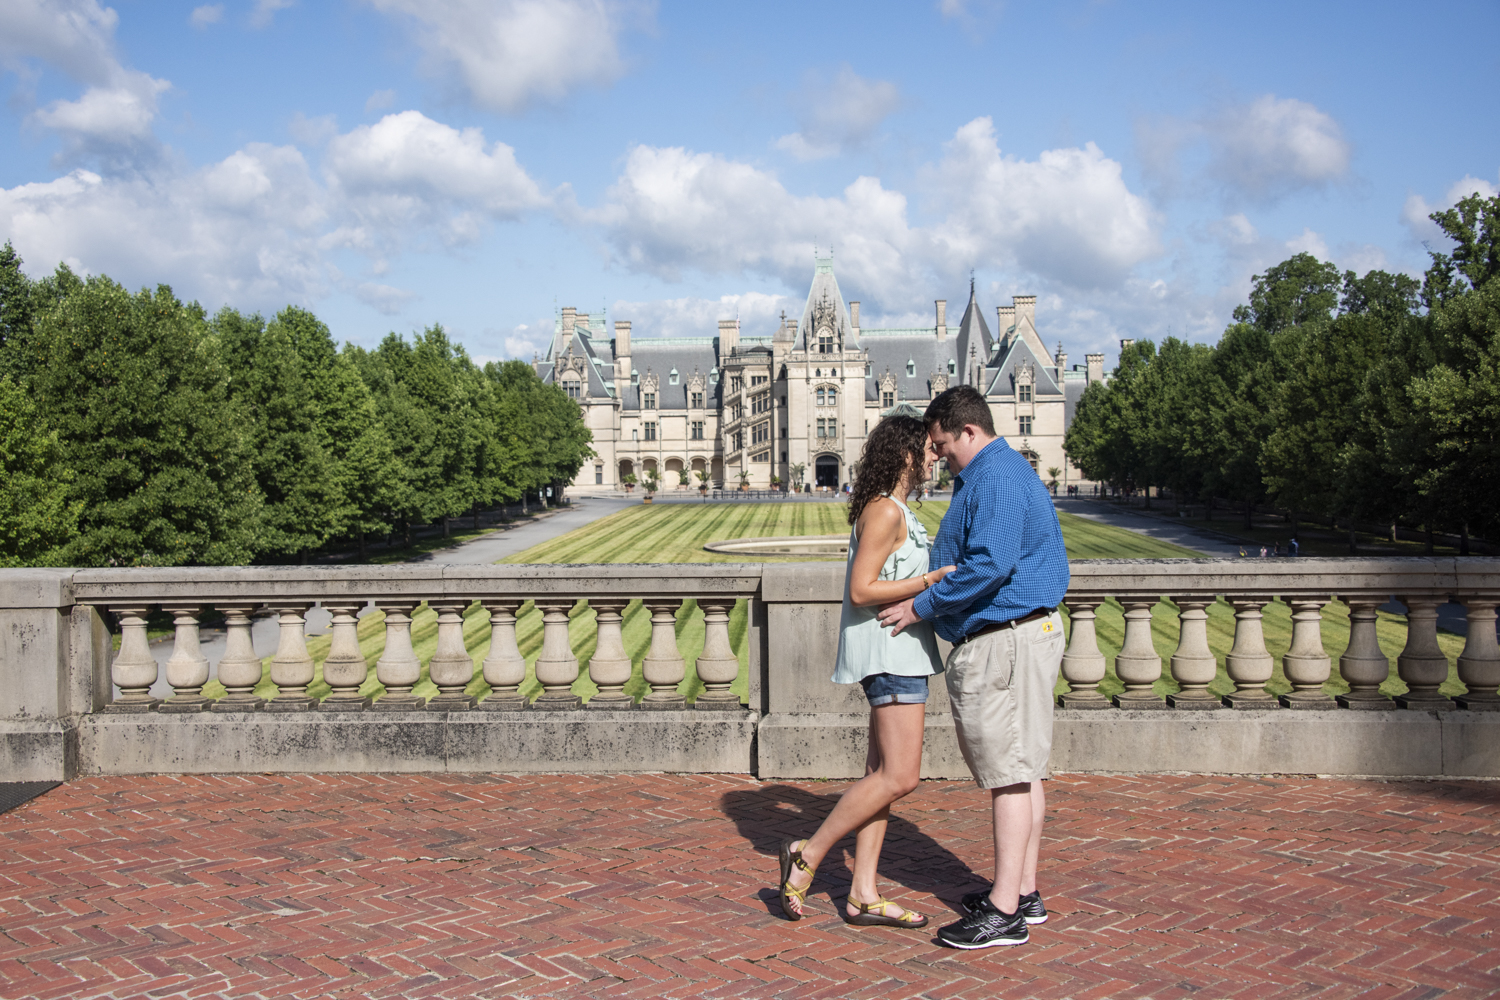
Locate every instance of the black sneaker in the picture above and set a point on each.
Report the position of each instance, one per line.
(1031, 906)
(985, 927)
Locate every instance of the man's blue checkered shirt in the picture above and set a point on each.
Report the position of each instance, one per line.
(1001, 531)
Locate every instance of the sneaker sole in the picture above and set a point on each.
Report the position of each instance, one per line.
(997, 943)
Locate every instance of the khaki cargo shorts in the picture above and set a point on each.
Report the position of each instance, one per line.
(1000, 685)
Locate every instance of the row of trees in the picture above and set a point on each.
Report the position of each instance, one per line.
(1373, 398)
(137, 430)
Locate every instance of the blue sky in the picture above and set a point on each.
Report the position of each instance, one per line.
(392, 164)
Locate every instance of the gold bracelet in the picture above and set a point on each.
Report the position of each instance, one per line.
(925, 584)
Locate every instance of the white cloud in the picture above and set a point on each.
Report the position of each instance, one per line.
(409, 170)
(1264, 149)
(839, 115)
(112, 120)
(313, 131)
(1414, 214)
(510, 53)
(1271, 146)
(209, 13)
(758, 313)
(265, 12)
(1066, 216)
(975, 17)
(380, 100)
(386, 299)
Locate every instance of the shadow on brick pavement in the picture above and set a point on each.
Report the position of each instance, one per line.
(664, 886)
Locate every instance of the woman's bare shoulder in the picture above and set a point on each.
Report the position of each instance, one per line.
(882, 516)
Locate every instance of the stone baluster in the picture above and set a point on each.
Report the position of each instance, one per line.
(1193, 664)
(1479, 663)
(240, 669)
(1307, 665)
(398, 668)
(1249, 663)
(556, 667)
(610, 666)
(1083, 666)
(451, 667)
(1422, 664)
(504, 666)
(664, 666)
(1364, 665)
(345, 668)
(1138, 666)
(292, 668)
(187, 667)
(134, 669)
(718, 666)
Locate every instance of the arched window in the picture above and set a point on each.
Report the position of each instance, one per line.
(820, 396)
(833, 396)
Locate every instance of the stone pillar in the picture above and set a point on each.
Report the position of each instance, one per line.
(1193, 664)
(556, 667)
(1249, 663)
(187, 668)
(664, 666)
(1306, 664)
(1364, 665)
(398, 668)
(451, 667)
(1083, 665)
(240, 669)
(1479, 663)
(1422, 664)
(718, 666)
(610, 666)
(345, 669)
(134, 669)
(1138, 666)
(504, 667)
(292, 669)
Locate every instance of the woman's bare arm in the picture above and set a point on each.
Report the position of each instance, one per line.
(881, 530)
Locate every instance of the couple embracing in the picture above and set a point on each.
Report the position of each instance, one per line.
(991, 586)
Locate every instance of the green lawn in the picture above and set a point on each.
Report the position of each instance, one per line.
(676, 533)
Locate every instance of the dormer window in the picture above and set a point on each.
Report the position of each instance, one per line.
(648, 400)
(911, 368)
(672, 377)
(697, 401)
(952, 367)
(825, 341)
(635, 377)
(1023, 392)
(713, 376)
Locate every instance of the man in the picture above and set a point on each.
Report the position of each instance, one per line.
(998, 608)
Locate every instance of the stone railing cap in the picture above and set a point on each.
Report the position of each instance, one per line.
(36, 588)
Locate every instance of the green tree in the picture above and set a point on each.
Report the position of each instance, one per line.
(37, 519)
(136, 390)
(17, 317)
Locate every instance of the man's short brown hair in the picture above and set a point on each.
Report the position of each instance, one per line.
(957, 407)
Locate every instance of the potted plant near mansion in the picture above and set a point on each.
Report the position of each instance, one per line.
(702, 475)
(744, 481)
(629, 481)
(651, 485)
(797, 471)
(683, 479)
(775, 482)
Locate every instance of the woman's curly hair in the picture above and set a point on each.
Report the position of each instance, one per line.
(896, 444)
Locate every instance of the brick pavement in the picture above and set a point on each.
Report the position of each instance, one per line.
(663, 886)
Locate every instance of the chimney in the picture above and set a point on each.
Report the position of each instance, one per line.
(1126, 342)
(854, 318)
(1095, 367)
(622, 338)
(973, 367)
(1005, 318)
(942, 320)
(729, 336)
(791, 329)
(570, 314)
(1025, 306)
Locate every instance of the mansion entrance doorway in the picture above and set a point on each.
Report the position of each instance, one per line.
(826, 472)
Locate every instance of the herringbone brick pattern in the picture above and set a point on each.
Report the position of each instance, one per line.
(663, 886)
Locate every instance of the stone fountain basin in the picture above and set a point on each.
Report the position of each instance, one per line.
(812, 546)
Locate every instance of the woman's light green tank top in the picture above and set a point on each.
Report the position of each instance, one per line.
(865, 646)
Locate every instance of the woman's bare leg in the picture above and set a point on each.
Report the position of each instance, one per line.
(896, 756)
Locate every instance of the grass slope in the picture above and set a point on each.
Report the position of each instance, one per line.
(676, 533)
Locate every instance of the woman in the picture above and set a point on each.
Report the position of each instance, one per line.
(887, 563)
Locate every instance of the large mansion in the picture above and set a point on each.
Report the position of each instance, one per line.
(807, 394)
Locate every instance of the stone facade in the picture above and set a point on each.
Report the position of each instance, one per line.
(807, 394)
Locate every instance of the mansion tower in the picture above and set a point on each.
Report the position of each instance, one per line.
(807, 394)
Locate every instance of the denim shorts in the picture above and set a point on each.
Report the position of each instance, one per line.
(894, 689)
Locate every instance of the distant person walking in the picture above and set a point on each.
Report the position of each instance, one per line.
(999, 609)
(1262, 551)
(888, 551)
(1293, 547)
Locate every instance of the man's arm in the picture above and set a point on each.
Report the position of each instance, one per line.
(992, 548)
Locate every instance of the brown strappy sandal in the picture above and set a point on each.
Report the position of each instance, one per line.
(793, 859)
(874, 915)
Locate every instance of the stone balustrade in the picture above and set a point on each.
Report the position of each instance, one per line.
(60, 715)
